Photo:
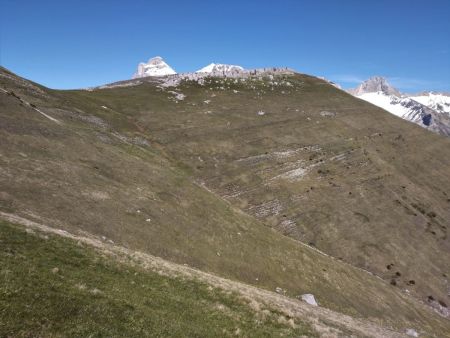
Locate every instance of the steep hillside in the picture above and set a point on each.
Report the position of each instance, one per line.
(203, 173)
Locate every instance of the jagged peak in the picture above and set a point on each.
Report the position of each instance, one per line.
(156, 66)
(376, 84)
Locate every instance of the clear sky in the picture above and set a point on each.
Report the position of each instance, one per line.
(73, 44)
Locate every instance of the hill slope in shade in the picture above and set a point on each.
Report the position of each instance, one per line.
(204, 179)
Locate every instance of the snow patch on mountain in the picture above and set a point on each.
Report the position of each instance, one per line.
(154, 67)
(220, 68)
(391, 103)
(436, 101)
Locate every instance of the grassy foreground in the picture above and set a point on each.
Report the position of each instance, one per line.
(53, 287)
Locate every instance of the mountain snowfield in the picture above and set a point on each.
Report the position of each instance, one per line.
(402, 107)
(429, 110)
(436, 101)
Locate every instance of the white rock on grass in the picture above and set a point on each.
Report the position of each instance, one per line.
(279, 290)
(178, 96)
(309, 298)
(412, 333)
(95, 291)
(327, 113)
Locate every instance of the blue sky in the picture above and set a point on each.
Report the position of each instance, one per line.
(73, 44)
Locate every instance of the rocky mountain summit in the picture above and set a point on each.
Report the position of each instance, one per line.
(217, 68)
(154, 67)
(374, 85)
(157, 67)
(174, 80)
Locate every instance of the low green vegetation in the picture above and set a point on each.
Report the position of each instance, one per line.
(52, 287)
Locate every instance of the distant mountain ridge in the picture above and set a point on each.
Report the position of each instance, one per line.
(429, 110)
(156, 66)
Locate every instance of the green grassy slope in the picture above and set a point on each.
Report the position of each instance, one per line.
(133, 173)
(52, 287)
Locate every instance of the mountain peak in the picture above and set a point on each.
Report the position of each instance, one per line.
(155, 66)
(219, 67)
(376, 84)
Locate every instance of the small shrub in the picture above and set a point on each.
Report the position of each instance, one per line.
(432, 214)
